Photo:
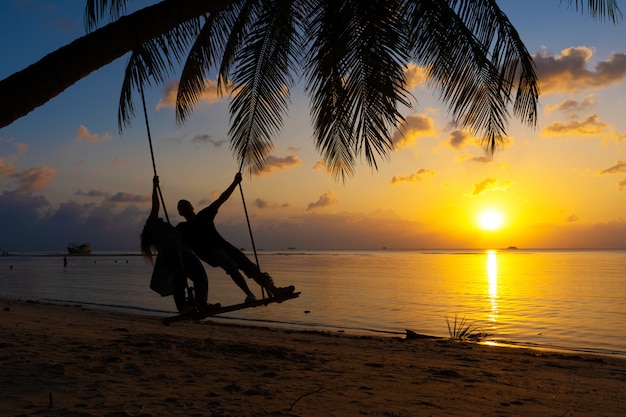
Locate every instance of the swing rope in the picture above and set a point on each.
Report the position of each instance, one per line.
(245, 209)
(145, 114)
(190, 295)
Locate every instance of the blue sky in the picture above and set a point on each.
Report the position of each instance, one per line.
(67, 175)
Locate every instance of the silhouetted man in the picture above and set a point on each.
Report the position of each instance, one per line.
(201, 235)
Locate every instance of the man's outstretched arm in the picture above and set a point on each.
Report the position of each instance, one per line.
(227, 193)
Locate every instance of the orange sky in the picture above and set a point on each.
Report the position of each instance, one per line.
(67, 175)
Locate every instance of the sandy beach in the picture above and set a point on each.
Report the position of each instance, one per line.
(71, 361)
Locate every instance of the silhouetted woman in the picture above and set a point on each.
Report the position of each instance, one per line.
(175, 262)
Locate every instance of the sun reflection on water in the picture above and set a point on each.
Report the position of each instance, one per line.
(492, 276)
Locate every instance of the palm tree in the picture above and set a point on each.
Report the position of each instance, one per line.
(352, 55)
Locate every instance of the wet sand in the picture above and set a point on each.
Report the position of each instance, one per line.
(71, 361)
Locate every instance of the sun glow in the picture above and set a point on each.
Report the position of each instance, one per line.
(490, 220)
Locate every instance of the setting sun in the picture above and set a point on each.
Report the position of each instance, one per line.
(490, 220)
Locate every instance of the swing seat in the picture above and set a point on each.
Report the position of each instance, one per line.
(226, 309)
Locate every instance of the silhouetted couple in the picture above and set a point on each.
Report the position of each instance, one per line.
(201, 235)
(175, 261)
(176, 247)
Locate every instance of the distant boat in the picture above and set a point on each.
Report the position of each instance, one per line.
(75, 249)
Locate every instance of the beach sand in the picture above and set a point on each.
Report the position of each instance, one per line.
(71, 361)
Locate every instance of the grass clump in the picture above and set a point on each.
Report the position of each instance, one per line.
(462, 330)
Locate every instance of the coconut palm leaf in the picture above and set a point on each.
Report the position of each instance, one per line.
(153, 61)
(95, 10)
(353, 61)
(476, 73)
(261, 81)
(599, 9)
(217, 42)
(354, 70)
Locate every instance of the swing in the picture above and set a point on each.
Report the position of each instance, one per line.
(196, 315)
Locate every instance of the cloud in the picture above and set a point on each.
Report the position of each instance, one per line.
(489, 184)
(84, 135)
(415, 76)
(319, 165)
(209, 94)
(21, 147)
(325, 200)
(419, 176)
(261, 203)
(34, 179)
(117, 161)
(92, 193)
(414, 127)
(273, 162)
(459, 138)
(572, 107)
(209, 139)
(571, 218)
(7, 168)
(568, 72)
(119, 197)
(618, 168)
(23, 216)
(591, 126)
(485, 159)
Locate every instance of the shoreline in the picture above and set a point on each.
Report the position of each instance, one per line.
(71, 360)
(331, 330)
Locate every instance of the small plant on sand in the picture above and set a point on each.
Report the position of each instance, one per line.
(462, 330)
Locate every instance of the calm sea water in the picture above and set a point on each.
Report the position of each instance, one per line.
(570, 300)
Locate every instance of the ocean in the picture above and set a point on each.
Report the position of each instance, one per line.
(570, 300)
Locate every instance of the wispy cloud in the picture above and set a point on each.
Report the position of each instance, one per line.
(168, 100)
(418, 176)
(218, 143)
(121, 161)
(262, 203)
(119, 197)
(489, 184)
(7, 168)
(618, 168)
(92, 193)
(273, 163)
(83, 134)
(325, 200)
(34, 179)
(485, 159)
(573, 107)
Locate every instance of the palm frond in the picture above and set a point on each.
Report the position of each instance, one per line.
(152, 62)
(355, 78)
(477, 72)
(261, 82)
(599, 9)
(95, 10)
(203, 55)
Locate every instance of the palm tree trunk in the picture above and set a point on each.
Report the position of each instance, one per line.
(32, 87)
